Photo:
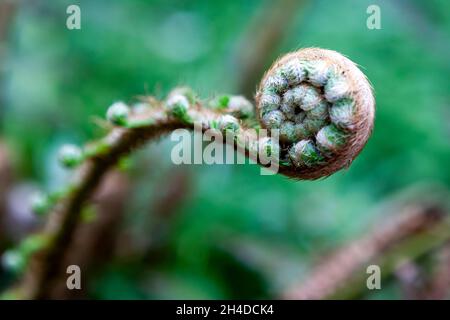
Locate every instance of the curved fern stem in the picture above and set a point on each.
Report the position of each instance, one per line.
(317, 101)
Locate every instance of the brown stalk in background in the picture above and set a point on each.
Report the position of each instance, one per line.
(439, 284)
(416, 230)
(265, 33)
(6, 179)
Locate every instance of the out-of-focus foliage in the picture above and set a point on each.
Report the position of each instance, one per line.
(235, 233)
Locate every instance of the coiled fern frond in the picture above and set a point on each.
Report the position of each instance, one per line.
(323, 107)
(316, 101)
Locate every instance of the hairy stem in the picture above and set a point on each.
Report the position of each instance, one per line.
(328, 99)
(104, 154)
(64, 218)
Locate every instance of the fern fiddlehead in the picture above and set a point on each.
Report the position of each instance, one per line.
(320, 102)
(323, 107)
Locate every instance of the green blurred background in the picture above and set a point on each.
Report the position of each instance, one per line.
(220, 231)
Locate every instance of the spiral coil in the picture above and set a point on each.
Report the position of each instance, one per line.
(323, 107)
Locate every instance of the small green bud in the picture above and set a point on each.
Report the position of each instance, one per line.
(337, 88)
(342, 114)
(269, 148)
(294, 96)
(40, 203)
(318, 72)
(13, 260)
(276, 83)
(70, 155)
(228, 123)
(118, 113)
(223, 102)
(178, 105)
(330, 139)
(16, 259)
(288, 131)
(240, 106)
(304, 153)
(310, 98)
(273, 119)
(294, 71)
(269, 102)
